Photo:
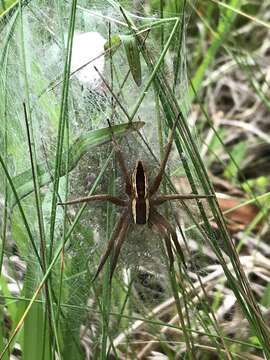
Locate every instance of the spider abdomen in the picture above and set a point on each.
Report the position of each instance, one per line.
(140, 211)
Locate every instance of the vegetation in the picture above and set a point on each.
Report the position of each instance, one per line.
(65, 69)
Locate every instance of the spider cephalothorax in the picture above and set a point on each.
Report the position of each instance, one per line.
(140, 207)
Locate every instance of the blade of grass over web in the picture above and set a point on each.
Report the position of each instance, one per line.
(5, 44)
(61, 287)
(34, 169)
(27, 227)
(106, 289)
(63, 118)
(48, 292)
(3, 81)
(183, 139)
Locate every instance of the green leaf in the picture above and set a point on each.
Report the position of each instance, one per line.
(112, 45)
(24, 182)
(133, 57)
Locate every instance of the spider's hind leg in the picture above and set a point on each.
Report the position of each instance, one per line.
(155, 224)
(158, 219)
(116, 232)
(119, 242)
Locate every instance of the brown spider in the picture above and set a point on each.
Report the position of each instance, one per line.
(140, 206)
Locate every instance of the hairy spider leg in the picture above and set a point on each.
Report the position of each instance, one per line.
(100, 197)
(154, 187)
(160, 199)
(119, 242)
(160, 219)
(115, 234)
(121, 160)
(163, 232)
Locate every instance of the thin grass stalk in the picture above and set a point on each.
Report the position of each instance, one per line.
(27, 227)
(179, 46)
(50, 308)
(182, 286)
(32, 146)
(65, 223)
(61, 126)
(213, 320)
(188, 339)
(106, 289)
(5, 156)
(190, 351)
(161, 15)
(120, 316)
(65, 219)
(101, 313)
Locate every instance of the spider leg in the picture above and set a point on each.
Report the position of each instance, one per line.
(161, 220)
(155, 223)
(119, 242)
(121, 161)
(101, 197)
(116, 232)
(154, 187)
(162, 198)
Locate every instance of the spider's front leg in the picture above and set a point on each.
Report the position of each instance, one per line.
(121, 161)
(154, 187)
(100, 197)
(160, 199)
